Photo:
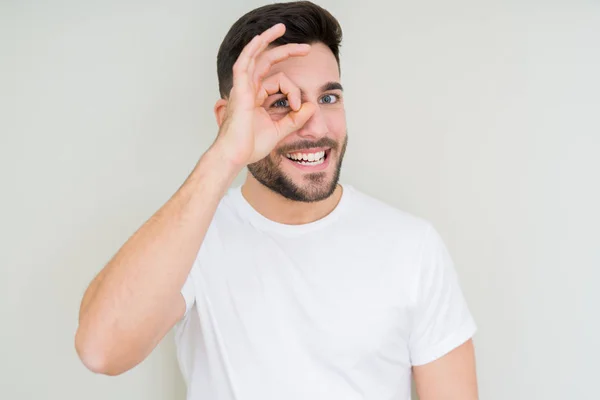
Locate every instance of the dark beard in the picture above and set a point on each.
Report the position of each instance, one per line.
(268, 172)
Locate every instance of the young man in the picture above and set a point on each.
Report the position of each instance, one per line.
(291, 286)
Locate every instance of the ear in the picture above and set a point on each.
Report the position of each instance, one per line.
(220, 110)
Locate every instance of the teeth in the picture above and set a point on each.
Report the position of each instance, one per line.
(306, 157)
(321, 161)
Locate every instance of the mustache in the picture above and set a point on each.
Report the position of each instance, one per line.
(323, 142)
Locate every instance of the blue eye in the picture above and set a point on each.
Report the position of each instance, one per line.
(281, 103)
(326, 99)
(330, 98)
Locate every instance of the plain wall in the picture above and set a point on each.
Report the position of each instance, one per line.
(483, 117)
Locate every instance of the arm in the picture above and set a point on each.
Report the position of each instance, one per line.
(135, 300)
(451, 377)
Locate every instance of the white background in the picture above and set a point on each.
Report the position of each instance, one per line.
(483, 117)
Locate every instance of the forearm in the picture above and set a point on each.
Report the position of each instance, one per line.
(451, 377)
(129, 306)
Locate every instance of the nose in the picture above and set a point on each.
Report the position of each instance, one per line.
(315, 127)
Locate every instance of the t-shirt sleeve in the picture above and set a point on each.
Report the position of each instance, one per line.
(191, 285)
(441, 319)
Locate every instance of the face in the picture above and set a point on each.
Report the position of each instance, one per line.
(305, 166)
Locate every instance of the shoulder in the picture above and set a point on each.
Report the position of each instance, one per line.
(369, 211)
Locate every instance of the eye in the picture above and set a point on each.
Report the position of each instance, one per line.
(281, 103)
(326, 99)
(330, 98)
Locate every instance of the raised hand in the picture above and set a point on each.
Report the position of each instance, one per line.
(248, 133)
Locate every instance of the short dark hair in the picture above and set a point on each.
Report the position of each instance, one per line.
(305, 22)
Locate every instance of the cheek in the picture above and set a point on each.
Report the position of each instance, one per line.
(336, 123)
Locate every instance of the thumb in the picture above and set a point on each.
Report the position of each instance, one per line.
(295, 120)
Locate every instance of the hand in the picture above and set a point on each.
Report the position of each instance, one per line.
(247, 133)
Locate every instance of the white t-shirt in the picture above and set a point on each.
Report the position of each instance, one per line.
(340, 308)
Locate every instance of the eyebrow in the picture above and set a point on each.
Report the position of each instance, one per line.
(332, 86)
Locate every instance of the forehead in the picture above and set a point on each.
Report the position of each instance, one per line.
(311, 71)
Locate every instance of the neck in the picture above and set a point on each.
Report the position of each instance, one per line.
(285, 211)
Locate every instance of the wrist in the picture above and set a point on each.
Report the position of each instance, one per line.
(219, 153)
(219, 161)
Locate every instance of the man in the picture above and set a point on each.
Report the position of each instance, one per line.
(292, 286)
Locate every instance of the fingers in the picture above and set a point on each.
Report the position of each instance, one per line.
(268, 36)
(294, 120)
(240, 68)
(300, 113)
(242, 64)
(280, 83)
(265, 61)
(254, 62)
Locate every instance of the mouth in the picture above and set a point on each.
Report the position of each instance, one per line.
(310, 160)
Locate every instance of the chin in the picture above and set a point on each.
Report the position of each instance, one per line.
(306, 188)
(315, 190)
(304, 183)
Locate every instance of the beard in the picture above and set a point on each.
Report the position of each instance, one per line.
(315, 187)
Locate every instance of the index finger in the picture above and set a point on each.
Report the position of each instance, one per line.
(243, 62)
(268, 36)
(257, 43)
(276, 55)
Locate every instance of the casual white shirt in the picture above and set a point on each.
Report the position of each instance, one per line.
(340, 308)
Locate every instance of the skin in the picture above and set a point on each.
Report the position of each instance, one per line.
(136, 298)
(282, 100)
(274, 186)
(451, 377)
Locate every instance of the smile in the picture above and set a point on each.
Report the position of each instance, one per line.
(310, 160)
